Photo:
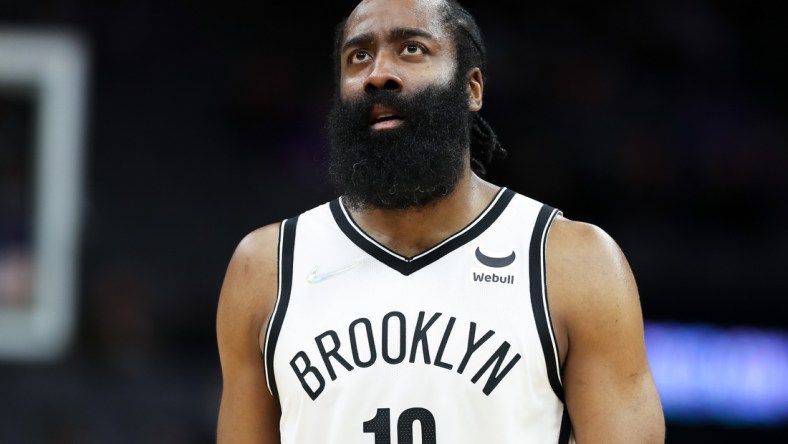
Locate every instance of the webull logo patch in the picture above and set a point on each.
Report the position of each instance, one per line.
(482, 276)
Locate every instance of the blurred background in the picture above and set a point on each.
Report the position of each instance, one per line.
(663, 122)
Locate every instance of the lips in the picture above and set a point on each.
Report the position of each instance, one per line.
(383, 117)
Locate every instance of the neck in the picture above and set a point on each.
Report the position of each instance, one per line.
(413, 231)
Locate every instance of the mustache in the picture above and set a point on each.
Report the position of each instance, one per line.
(357, 110)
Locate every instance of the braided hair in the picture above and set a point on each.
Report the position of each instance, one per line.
(471, 53)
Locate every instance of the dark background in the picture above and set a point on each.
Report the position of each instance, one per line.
(663, 122)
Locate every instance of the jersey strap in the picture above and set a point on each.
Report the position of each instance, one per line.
(287, 232)
(565, 435)
(539, 304)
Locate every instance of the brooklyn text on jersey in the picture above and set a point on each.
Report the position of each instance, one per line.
(394, 348)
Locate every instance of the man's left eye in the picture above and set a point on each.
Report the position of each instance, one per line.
(412, 49)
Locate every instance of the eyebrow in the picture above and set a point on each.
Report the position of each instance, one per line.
(400, 33)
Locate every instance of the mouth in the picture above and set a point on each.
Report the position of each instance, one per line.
(383, 118)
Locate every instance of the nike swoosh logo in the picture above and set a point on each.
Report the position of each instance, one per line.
(495, 262)
(315, 278)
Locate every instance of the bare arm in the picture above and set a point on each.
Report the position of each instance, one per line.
(610, 392)
(248, 412)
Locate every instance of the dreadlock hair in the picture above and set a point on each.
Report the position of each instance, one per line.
(470, 53)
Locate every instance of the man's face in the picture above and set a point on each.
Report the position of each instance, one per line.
(395, 44)
(400, 123)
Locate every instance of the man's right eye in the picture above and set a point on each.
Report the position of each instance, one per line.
(360, 56)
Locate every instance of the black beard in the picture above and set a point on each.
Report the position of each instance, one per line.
(405, 167)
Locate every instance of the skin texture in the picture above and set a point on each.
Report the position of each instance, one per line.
(596, 315)
(248, 412)
(592, 295)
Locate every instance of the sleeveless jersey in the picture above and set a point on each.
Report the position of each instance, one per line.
(454, 345)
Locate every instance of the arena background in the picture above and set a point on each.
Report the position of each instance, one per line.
(664, 122)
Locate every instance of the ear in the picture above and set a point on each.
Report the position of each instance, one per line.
(476, 90)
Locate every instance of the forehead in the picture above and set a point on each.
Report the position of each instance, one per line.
(380, 16)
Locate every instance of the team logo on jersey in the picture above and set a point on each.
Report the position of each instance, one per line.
(494, 262)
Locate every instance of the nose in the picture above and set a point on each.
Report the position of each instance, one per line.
(383, 76)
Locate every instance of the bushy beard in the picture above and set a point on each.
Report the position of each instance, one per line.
(405, 167)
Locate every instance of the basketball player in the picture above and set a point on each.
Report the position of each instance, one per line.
(426, 305)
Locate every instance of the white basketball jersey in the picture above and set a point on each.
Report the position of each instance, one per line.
(454, 345)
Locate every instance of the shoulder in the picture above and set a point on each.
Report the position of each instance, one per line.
(609, 390)
(258, 247)
(249, 289)
(248, 411)
(255, 256)
(585, 252)
(589, 279)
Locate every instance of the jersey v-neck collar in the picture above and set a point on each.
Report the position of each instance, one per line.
(409, 265)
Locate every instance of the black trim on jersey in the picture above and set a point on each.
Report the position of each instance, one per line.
(406, 265)
(286, 246)
(539, 296)
(566, 428)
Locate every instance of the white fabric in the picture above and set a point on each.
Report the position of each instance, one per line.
(347, 284)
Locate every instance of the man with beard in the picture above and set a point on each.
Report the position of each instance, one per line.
(425, 301)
